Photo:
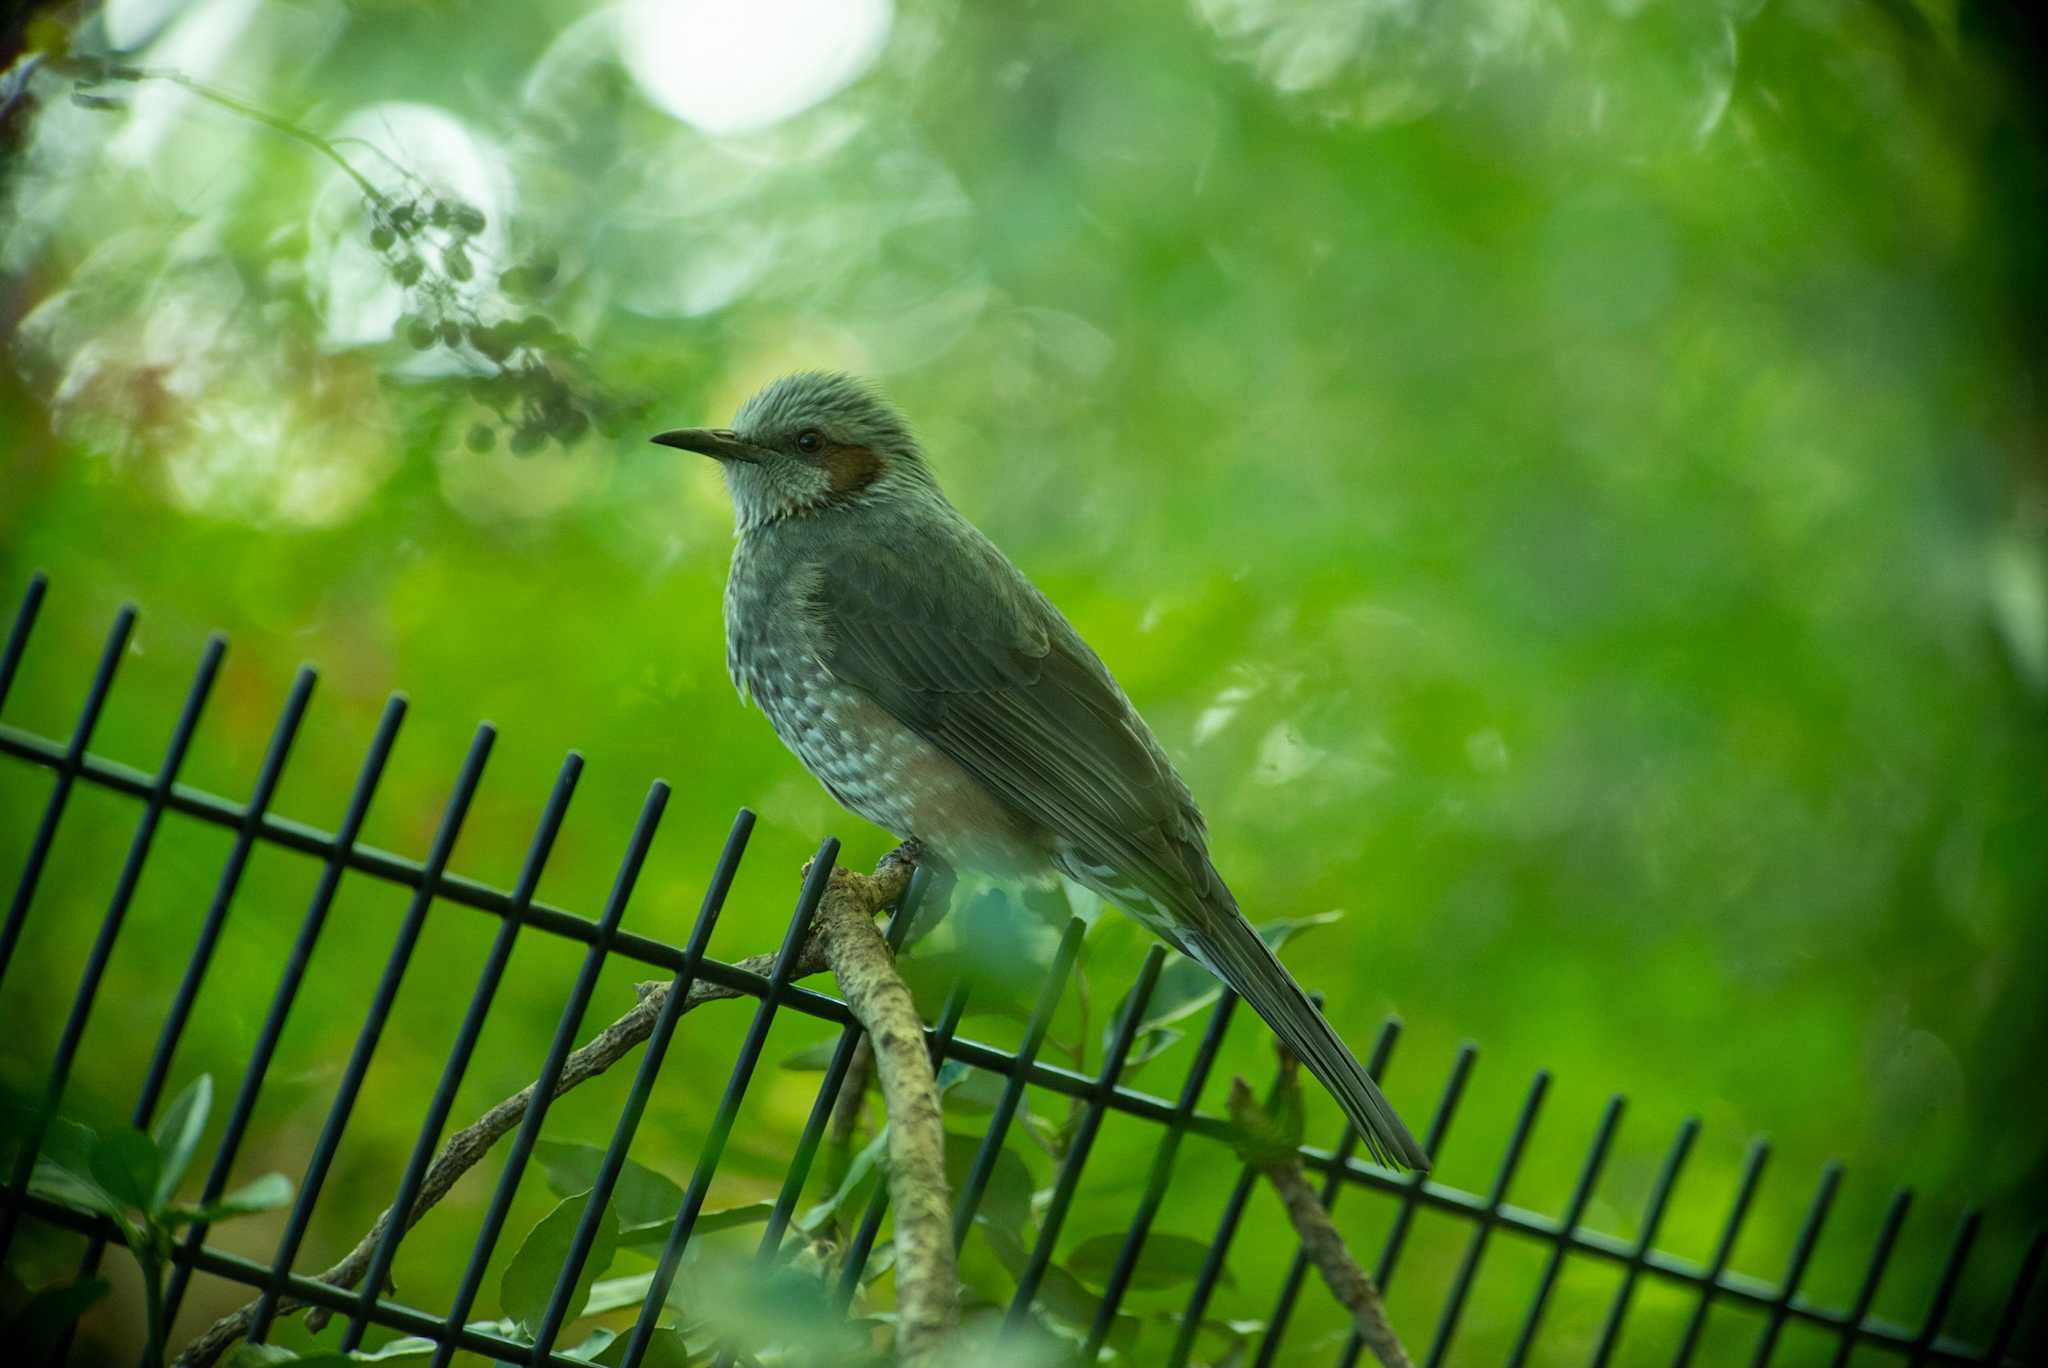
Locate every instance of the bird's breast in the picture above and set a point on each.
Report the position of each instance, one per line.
(871, 762)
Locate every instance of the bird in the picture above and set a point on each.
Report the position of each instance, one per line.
(936, 692)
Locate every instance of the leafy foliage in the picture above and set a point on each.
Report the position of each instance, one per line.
(132, 1179)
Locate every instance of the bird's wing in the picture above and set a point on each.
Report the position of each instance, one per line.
(960, 648)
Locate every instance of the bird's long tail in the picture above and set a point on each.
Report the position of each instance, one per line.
(1225, 943)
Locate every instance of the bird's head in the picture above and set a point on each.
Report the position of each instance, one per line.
(811, 443)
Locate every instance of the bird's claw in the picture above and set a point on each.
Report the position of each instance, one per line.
(910, 852)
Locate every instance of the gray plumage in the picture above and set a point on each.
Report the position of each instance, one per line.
(934, 691)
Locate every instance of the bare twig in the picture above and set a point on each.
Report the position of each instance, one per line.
(464, 1149)
(927, 1284)
(94, 70)
(1278, 1159)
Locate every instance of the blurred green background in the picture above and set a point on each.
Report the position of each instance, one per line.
(1565, 480)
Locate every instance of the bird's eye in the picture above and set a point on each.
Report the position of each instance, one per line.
(809, 441)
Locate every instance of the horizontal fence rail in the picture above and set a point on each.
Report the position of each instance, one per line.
(429, 882)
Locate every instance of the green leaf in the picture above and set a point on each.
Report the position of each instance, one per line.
(641, 1196)
(968, 1089)
(1149, 1045)
(812, 1058)
(594, 1344)
(64, 1142)
(666, 1348)
(1165, 1261)
(1185, 987)
(731, 1218)
(1007, 1200)
(1060, 1293)
(78, 1190)
(248, 1355)
(529, 1279)
(754, 1308)
(267, 1193)
(127, 1164)
(410, 1346)
(857, 1174)
(177, 1136)
(610, 1294)
(49, 1316)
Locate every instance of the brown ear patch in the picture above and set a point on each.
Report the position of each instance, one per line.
(852, 469)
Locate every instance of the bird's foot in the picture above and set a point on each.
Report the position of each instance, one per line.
(910, 852)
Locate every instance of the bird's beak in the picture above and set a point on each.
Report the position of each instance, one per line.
(720, 444)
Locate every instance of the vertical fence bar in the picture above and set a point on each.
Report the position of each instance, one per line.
(209, 933)
(1945, 1290)
(1212, 1268)
(856, 1261)
(1084, 1139)
(110, 928)
(2016, 1300)
(721, 1123)
(268, 775)
(1461, 1284)
(1880, 1255)
(651, 1056)
(1653, 1216)
(372, 1031)
(1333, 1184)
(1724, 1249)
(1404, 1215)
(399, 1212)
(1574, 1212)
(286, 992)
(1446, 1108)
(17, 635)
(1162, 1174)
(1795, 1268)
(541, 1094)
(1049, 994)
(1439, 1132)
(67, 774)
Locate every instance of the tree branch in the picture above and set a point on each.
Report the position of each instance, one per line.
(848, 907)
(1280, 1162)
(927, 1283)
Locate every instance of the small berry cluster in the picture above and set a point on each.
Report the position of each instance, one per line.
(525, 367)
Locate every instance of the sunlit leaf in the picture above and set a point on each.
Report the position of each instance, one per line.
(266, 1193)
(177, 1135)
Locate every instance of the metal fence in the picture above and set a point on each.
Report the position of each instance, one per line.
(1563, 1236)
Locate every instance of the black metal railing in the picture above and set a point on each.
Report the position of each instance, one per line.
(339, 853)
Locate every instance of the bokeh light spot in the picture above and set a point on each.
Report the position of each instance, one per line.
(740, 66)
